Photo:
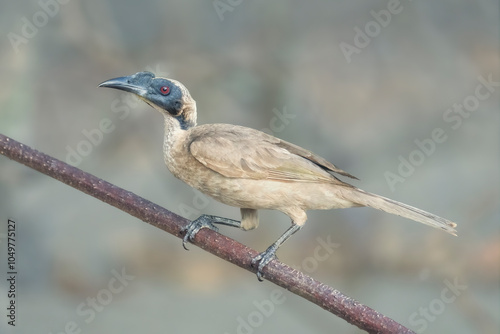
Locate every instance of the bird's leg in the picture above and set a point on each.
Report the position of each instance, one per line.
(270, 253)
(206, 221)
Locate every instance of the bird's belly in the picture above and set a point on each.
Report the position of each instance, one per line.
(268, 194)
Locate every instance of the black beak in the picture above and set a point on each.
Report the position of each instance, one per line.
(137, 83)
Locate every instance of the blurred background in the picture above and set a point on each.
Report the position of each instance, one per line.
(359, 83)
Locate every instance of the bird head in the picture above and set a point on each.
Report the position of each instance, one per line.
(168, 96)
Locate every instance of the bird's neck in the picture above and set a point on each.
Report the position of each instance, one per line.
(176, 129)
(173, 144)
(173, 131)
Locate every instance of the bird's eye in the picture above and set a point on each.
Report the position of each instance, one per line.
(165, 90)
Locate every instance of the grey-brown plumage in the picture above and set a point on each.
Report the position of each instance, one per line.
(252, 170)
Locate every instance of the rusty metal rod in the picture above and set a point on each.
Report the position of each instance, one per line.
(227, 249)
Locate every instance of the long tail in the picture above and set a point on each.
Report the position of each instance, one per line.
(364, 198)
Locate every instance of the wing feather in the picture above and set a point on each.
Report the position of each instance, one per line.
(240, 152)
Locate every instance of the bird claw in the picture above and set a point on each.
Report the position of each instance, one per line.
(195, 226)
(263, 259)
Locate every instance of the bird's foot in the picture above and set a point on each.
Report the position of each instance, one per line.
(195, 226)
(263, 259)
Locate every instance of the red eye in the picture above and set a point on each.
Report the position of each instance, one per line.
(165, 90)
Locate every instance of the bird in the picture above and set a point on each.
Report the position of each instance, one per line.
(250, 169)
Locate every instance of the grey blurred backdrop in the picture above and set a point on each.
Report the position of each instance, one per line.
(277, 66)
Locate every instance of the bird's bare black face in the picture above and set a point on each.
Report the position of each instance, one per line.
(166, 95)
(159, 92)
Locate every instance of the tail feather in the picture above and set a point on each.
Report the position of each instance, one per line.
(364, 198)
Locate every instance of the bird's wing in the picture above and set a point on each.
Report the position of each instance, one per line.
(239, 152)
(321, 162)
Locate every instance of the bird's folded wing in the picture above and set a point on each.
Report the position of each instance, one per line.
(325, 164)
(239, 152)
